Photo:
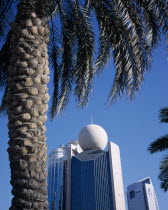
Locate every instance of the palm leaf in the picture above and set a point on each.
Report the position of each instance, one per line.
(68, 54)
(129, 30)
(50, 8)
(163, 117)
(159, 145)
(152, 22)
(54, 53)
(85, 39)
(4, 60)
(162, 9)
(8, 9)
(131, 55)
(3, 105)
(163, 175)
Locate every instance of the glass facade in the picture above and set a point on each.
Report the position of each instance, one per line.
(132, 194)
(56, 181)
(85, 180)
(91, 181)
(59, 176)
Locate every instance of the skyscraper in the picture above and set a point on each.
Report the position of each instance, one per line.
(92, 177)
(56, 181)
(141, 196)
(59, 181)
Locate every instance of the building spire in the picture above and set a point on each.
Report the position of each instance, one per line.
(91, 119)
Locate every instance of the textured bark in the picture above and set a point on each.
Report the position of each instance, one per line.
(27, 105)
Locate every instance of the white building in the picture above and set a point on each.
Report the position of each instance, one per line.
(141, 196)
(81, 175)
(116, 176)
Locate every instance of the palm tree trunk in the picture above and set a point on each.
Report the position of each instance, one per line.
(27, 105)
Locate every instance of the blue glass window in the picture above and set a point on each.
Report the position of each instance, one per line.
(91, 183)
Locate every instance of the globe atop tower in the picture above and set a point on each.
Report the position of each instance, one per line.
(92, 137)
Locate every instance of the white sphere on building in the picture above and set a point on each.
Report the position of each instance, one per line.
(92, 137)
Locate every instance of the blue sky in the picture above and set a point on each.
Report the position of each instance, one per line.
(132, 125)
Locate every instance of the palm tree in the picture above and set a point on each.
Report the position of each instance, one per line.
(159, 145)
(32, 30)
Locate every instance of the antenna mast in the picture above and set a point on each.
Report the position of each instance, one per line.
(91, 120)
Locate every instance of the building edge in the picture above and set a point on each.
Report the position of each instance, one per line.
(116, 178)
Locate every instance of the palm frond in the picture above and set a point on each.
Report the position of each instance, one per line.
(103, 50)
(8, 9)
(137, 58)
(85, 40)
(129, 30)
(68, 54)
(3, 105)
(162, 11)
(150, 14)
(159, 145)
(107, 22)
(163, 116)
(4, 60)
(27, 7)
(88, 5)
(54, 53)
(50, 7)
(163, 175)
(131, 55)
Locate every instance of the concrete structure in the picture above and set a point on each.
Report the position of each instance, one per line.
(116, 176)
(72, 150)
(141, 196)
(89, 179)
